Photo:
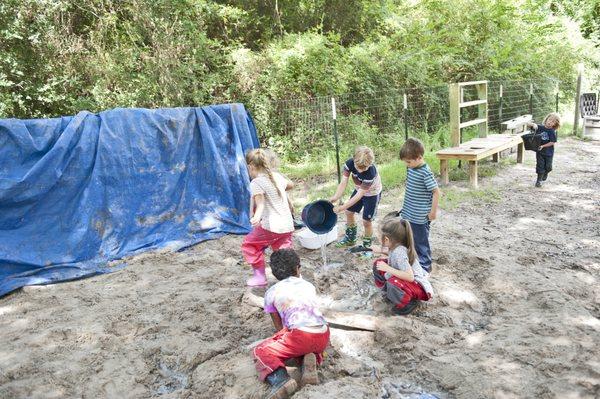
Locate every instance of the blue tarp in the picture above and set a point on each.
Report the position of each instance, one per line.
(79, 191)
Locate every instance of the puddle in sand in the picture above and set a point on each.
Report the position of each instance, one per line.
(328, 266)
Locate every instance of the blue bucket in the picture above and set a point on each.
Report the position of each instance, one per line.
(319, 216)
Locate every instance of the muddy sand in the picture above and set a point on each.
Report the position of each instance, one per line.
(516, 312)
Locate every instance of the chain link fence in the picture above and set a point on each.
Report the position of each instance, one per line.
(303, 127)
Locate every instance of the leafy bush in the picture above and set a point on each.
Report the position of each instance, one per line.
(284, 59)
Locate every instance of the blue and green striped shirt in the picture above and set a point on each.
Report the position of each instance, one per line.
(418, 195)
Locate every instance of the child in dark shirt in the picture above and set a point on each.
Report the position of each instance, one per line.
(545, 153)
(365, 197)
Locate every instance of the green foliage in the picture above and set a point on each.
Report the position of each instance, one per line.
(278, 56)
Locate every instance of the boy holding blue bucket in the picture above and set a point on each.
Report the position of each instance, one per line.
(365, 197)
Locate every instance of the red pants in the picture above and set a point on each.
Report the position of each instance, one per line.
(259, 239)
(270, 354)
(399, 292)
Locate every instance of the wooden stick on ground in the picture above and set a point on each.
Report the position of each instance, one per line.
(335, 319)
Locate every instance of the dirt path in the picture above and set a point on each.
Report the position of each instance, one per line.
(517, 312)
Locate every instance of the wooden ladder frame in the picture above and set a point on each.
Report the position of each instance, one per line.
(457, 103)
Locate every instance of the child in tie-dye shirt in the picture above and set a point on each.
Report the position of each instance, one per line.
(301, 328)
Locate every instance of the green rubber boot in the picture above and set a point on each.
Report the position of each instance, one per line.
(367, 241)
(349, 238)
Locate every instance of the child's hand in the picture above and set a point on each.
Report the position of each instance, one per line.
(540, 148)
(254, 221)
(333, 199)
(338, 209)
(383, 267)
(432, 215)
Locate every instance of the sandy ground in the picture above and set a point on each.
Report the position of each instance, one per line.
(516, 313)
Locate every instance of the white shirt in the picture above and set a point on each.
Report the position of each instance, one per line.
(295, 299)
(276, 216)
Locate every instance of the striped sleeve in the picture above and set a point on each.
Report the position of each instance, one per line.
(347, 166)
(429, 180)
(255, 188)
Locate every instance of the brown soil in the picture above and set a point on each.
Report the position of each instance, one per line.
(516, 312)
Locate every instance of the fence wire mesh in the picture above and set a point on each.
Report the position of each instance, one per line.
(304, 126)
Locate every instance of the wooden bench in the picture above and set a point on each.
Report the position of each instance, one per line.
(477, 149)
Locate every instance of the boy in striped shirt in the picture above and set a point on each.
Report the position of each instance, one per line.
(420, 198)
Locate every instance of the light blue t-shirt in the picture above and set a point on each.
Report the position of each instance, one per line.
(418, 196)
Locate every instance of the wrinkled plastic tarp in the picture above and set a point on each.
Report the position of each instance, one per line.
(77, 192)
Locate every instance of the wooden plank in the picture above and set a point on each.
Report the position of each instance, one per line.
(472, 103)
(444, 171)
(499, 148)
(454, 97)
(356, 321)
(473, 122)
(335, 319)
(478, 82)
(480, 148)
(463, 157)
(473, 174)
(482, 109)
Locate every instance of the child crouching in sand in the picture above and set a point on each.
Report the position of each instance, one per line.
(301, 328)
(401, 277)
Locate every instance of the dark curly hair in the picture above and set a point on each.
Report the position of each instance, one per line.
(284, 263)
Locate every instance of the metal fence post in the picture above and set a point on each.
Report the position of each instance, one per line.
(405, 117)
(531, 98)
(557, 91)
(337, 145)
(577, 95)
(500, 110)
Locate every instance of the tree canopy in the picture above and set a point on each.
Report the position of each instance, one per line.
(62, 56)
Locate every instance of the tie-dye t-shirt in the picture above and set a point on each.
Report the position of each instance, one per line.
(295, 299)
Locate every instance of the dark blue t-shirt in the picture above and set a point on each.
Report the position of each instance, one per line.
(369, 180)
(548, 135)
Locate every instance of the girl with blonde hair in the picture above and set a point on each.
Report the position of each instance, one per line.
(270, 216)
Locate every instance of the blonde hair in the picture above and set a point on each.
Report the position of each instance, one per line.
(262, 160)
(552, 117)
(273, 158)
(363, 157)
(399, 232)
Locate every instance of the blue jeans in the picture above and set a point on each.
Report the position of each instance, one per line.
(421, 237)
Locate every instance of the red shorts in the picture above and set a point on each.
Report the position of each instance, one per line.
(271, 353)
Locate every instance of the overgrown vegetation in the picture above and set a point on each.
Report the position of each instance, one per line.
(59, 57)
